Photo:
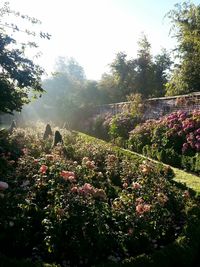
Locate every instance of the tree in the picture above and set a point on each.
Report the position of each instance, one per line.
(19, 76)
(185, 19)
(161, 69)
(71, 68)
(90, 95)
(144, 63)
(109, 88)
(143, 75)
(63, 90)
(124, 72)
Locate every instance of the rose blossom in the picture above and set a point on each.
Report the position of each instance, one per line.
(36, 161)
(43, 169)
(186, 194)
(90, 164)
(125, 185)
(88, 188)
(74, 189)
(145, 169)
(68, 175)
(84, 160)
(142, 208)
(136, 185)
(100, 193)
(139, 200)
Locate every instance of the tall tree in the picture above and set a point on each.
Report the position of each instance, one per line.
(144, 77)
(123, 73)
(185, 19)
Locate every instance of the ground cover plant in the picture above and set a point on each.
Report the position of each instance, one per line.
(83, 203)
(173, 139)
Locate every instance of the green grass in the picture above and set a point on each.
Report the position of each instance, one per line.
(190, 180)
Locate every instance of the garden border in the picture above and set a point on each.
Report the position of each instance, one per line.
(182, 252)
(189, 180)
(185, 249)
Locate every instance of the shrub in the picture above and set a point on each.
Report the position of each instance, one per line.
(173, 139)
(120, 126)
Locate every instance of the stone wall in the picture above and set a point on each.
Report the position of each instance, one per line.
(156, 107)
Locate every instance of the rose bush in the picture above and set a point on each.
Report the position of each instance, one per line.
(82, 203)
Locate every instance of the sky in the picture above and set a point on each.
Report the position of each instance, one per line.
(93, 31)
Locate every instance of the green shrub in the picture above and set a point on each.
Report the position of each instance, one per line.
(121, 124)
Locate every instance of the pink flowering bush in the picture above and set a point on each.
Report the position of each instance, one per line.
(173, 139)
(91, 206)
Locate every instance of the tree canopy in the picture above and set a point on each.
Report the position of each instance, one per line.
(145, 74)
(185, 19)
(19, 76)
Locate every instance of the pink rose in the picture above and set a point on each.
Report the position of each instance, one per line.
(43, 169)
(68, 175)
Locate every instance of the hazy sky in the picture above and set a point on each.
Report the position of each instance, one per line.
(93, 31)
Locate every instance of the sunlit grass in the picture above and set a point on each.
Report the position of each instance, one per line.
(190, 180)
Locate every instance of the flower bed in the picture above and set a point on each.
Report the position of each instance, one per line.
(84, 203)
(173, 139)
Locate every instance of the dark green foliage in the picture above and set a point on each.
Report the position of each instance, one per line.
(120, 126)
(99, 127)
(48, 132)
(57, 138)
(191, 163)
(144, 74)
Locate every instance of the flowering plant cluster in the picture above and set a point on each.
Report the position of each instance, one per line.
(174, 139)
(81, 203)
(121, 125)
